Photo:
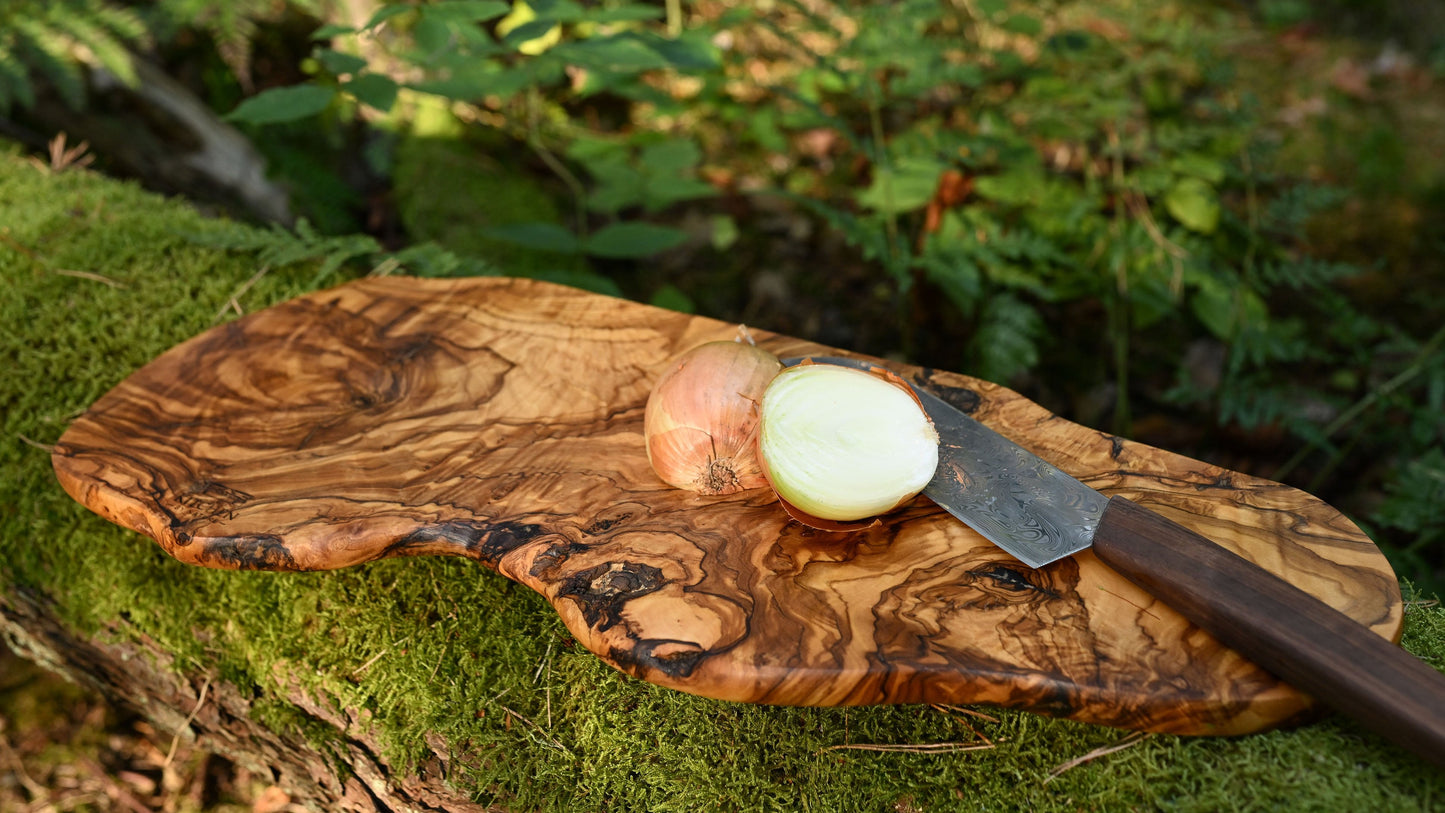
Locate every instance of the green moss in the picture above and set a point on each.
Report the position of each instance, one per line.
(437, 653)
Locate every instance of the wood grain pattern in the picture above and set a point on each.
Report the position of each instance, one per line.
(501, 420)
(1309, 644)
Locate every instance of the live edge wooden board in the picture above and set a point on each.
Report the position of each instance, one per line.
(501, 420)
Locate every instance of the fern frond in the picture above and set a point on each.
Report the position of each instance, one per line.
(1007, 340)
(280, 247)
(232, 25)
(49, 41)
(47, 51)
(15, 87)
(122, 23)
(1304, 274)
(109, 51)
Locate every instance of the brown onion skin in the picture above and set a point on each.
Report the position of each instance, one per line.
(701, 420)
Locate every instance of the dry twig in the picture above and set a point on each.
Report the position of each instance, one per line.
(234, 303)
(63, 157)
(90, 275)
(44, 447)
(541, 733)
(1134, 738)
(176, 741)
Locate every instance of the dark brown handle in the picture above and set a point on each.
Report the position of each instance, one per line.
(1284, 630)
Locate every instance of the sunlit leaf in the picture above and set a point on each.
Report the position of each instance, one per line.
(1193, 203)
(331, 30)
(907, 186)
(468, 11)
(385, 13)
(725, 232)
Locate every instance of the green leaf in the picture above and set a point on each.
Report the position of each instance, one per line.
(385, 13)
(622, 53)
(467, 11)
(373, 90)
(1193, 203)
(339, 63)
(586, 280)
(478, 79)
(725, 232)
(1199, 165)
(1025, 24)
(907, 186)
(989, 9)
(283, 104)
(537, 235)
(432, 34)
(693, 51)
(631, 240)
(632, 12)
(1225, 309)
(529, 35)
(1016, 187)
(661, 191)
(671, 297)
(331, 30)
(671, 156)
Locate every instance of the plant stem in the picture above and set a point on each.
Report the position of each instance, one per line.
(896, 262)
(1119, 301)
(674, 17)
(574, 184)
(1417, 365)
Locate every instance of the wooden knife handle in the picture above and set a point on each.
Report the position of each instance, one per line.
(1284, 630)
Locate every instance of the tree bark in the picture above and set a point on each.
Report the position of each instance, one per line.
(157, 131)
(215, 716)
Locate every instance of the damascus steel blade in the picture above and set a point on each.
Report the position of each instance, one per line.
(1015, 499)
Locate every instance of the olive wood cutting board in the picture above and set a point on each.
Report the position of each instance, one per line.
(501, 420)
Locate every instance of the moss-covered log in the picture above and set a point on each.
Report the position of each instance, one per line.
(428, 682)
(500, 420)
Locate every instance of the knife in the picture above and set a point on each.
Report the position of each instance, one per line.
(1040, 514)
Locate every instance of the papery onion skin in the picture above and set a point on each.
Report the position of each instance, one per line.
(702, 416)
(842, 445)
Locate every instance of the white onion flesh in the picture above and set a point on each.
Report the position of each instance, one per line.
(842, 444)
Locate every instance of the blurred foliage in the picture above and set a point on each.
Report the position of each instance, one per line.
(1089, 202)
(40, 38)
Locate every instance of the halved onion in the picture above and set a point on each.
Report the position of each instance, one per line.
(841, 445)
